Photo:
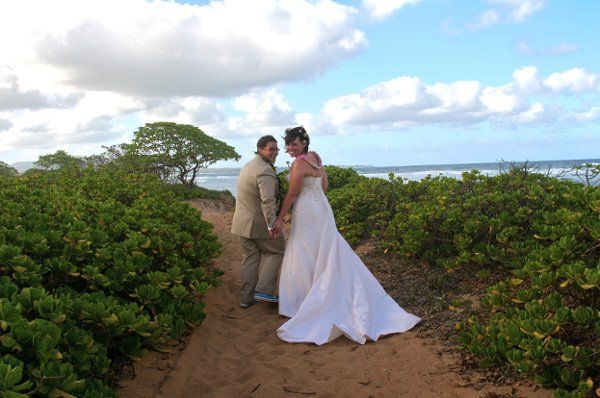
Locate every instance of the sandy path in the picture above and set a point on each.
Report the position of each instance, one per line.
(236, 353)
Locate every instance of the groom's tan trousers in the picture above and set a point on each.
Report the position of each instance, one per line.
(271, 249)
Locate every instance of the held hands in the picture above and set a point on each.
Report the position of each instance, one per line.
(277, 228)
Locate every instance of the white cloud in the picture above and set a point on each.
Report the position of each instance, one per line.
(38, 128)
(500, 100)
(96, 119)
(407, 101)
(5, 124)
(99, 123)
(264, 109)
(447, 27)
(506, 11)
(484, 20)
(588, 115)
(382, 8)
(13, 97)
(519, 10)
(535, 113)
(573, 80)
(260, 112)
(457, 95)
(526, 79)
(562, 49)
(191, 110)
(551, 51)
(89, 72)
(379, 103)
(266, 112)
(163, 48)
(316, 124)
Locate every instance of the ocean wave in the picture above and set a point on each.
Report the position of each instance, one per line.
(216, 177)
(424, 173)
(227, 178)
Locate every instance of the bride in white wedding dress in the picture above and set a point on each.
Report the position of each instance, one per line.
(324, 287)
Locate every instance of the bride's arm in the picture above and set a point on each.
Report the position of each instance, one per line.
(324, 182)
(296, 180)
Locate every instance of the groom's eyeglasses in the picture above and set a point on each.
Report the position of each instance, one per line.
(273, 149)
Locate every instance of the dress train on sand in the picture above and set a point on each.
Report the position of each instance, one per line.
(324, 287)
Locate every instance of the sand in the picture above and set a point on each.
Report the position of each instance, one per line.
(236, 353)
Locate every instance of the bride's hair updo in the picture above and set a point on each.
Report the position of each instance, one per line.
(297, 132)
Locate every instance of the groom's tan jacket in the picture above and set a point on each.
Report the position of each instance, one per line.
(256, 202)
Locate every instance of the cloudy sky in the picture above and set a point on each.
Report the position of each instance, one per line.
(375, 82)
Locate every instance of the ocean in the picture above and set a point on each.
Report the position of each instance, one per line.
(226, 178)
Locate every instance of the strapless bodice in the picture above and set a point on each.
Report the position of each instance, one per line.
(312, 188)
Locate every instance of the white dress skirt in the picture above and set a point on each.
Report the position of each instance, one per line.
(324, 287)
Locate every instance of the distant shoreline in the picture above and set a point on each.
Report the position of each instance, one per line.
(508, 162)
(226, 178)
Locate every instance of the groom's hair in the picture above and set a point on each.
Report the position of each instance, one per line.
(264, 140)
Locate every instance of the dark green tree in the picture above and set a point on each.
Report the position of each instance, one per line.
(7, 171)
(177, 152)
(121, 157)
(59, 160)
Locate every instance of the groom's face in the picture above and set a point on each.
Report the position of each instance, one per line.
(269, 152)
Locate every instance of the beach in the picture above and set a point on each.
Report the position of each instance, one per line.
(235, 352)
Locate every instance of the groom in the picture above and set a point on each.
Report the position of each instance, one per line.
(255, 213)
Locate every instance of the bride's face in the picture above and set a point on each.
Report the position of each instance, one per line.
(295, 148)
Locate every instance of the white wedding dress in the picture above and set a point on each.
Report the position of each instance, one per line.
(324, 287)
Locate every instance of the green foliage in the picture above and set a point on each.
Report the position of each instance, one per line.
(174, 152)
(187, 192)
(123, 158)
(588, 174)
(363, 209)
(57, 160)
(7, 170)
(337, 177)
(177, 152)
(95, 266)
(542, 232)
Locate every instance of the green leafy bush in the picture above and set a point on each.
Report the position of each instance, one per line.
(364, 208)
(542, 233)
(187, 192)
(95, 266)
(338, 177)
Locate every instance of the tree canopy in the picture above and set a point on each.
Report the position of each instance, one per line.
(59, 160)
(177, 152)
(7, 170)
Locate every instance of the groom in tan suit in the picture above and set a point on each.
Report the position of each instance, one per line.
(255, 213)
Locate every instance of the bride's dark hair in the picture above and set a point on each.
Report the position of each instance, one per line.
(297, 132)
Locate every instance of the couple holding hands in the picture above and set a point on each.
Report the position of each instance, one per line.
(324, 287)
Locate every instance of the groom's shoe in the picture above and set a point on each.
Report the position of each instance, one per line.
(246, 305)
(259, 296)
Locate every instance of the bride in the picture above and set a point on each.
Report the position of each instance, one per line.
(324, 287)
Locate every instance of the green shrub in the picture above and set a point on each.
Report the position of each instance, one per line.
(363, 209)
(337, 177)
(542, 232)
(187, 192)
(95, 266)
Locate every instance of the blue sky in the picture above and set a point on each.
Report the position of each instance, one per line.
(394, 82)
